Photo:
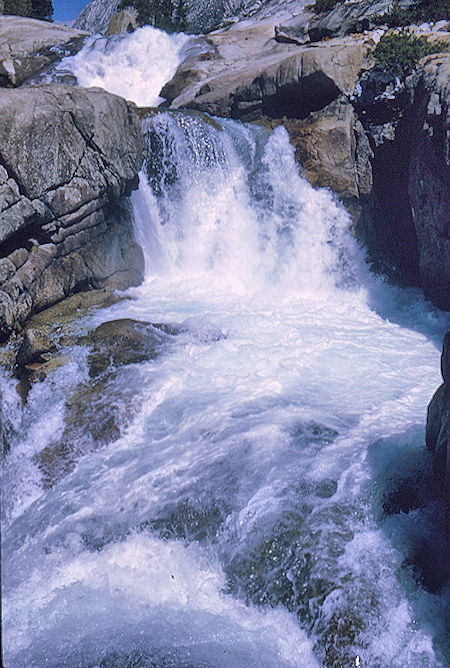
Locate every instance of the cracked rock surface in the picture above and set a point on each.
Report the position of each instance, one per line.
(68, 159)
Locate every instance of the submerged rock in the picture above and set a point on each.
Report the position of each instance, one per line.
(95, 415)
(120, 342)
(99, 409)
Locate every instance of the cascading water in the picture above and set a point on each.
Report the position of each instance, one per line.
(252, 511)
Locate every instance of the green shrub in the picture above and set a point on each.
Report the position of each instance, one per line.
(425, 10)
(399, 52)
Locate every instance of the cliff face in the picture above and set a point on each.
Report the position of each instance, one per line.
(67, 158)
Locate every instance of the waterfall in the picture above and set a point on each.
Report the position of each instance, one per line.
(252, 510)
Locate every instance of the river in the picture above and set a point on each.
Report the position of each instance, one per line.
(268, 501)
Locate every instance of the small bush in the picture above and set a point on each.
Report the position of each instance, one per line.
(399, 52)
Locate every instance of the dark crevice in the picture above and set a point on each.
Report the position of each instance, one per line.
(26, 237)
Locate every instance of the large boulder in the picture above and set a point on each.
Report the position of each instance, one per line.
(333, 149)
(68, 158)
(28, 45)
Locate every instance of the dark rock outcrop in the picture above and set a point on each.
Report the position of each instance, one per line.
(27, 46)
(68, 156)
(438, 421)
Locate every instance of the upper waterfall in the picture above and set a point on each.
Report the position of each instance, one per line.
(135, 66)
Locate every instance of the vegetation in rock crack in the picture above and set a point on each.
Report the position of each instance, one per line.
(166, 14)
(36, 9)
(324, 5)
(399, 52)
(426, 10)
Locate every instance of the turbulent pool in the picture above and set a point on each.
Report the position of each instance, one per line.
(267, 499)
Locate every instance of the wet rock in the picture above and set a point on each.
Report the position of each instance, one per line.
(34, 344)
(326, 488)
(120, 342)
(37, 372)
(96, 413)
(438, 422)
(28, 45)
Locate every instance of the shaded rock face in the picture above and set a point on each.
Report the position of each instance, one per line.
(408, 221)
(68, 157)
(329, 145)
(429, 178)
(438, 421)
(28, 45)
